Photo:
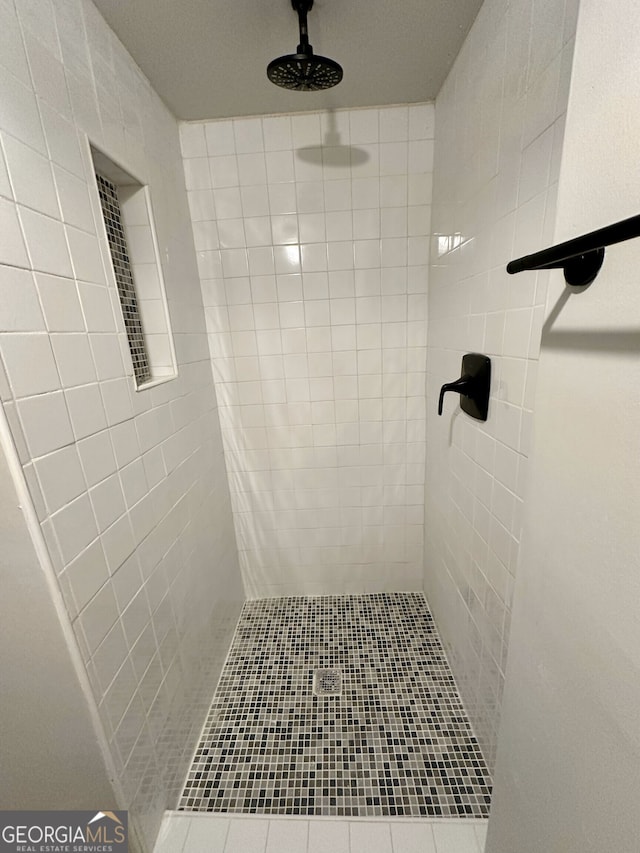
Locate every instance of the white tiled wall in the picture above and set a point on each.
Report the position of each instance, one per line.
(312, 239)
(199, 832)
(500, 121)
(130, 488)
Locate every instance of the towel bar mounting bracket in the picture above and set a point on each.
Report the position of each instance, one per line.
(580, 270)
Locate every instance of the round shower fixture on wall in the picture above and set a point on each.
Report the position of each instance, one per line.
(304, 71)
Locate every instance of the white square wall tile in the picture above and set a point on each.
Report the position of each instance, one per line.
(306, 130)
(277, 134)
(125, 442)
(96, 456)
(455, 838)
(109, 657)
(107, 501)
(61, 478)
(412, 837)
(20, 115)
(224, 171)
(31, 177)
(247, 836)
(19, 306)
(207, 834)
(370, 838)
(97, 307)
(393, 124)
(248, 135)
(135, 618)
(46, 242)
(198, 174)
(201, 205)
(60, 303)
(75, 527)
(45, 422)
(62, 141)
(38, 21)
(127, 581)
(280, 167)
(287, 836)
(13, 53)
(98, 617)
(480, 830)
(364, 126)
(252, 169)
(74, 359)
(85, 256)
(12, 248)
(29, 363)
(219, 138)
(87, 574)
(394, 158)
(107, 355)
(118, 543)
(173, 834)
(328, 836)
(118, 403)
(422, 121)
(192, 140)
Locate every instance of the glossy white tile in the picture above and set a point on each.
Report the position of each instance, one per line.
(287, 836)
(13, 250)
(413, 837)
(46, 241)
(367, 837)
(455, 838)
(31, 177)
(247, 836)
(328, 837)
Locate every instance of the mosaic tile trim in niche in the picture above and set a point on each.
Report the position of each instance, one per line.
(116, 237)
(397, 741)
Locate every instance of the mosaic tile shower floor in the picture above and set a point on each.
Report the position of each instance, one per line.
(397, 741)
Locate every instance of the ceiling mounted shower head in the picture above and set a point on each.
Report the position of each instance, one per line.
(304, 71)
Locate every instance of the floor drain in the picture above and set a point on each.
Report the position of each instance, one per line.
(327, 682)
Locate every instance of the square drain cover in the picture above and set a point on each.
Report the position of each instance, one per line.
(327, 682)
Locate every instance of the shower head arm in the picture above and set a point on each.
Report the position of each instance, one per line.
(302, 7)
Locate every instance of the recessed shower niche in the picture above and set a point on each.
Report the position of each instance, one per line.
(131, 252)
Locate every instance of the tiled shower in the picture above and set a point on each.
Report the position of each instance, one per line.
(324, 274)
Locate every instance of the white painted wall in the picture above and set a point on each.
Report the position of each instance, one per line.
(499, 128)
(129, 487)
(313, 263)
(568, 772)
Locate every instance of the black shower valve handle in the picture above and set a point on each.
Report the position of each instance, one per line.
(463, 386)
(473, 386)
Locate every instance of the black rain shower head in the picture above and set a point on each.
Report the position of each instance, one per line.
(304, 71)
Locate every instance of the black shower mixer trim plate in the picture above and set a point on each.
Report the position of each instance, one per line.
(473, 386)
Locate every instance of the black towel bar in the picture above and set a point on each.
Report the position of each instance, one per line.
(582, 257)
